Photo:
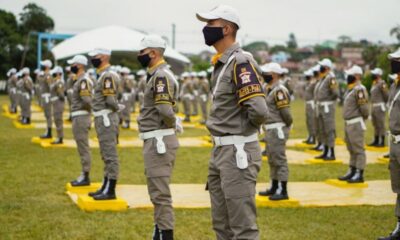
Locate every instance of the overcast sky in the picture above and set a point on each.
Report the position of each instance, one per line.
(312, 21)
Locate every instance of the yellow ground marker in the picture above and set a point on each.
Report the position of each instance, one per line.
(23, 126)
(339, 141)
(13, 116)
(313, 151)
(264, 158)
(262, 201)
(320, 161)
(88, 204)
(345, 184)
(39, 140)
(377, 149)
(383, 160)
(82, 189)
(304, 145)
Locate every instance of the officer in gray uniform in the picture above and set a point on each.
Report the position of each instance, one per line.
(57, 91)
(310, 106)
(204, 90)
(355, 112)
(68, 87)
(26, 88)
(186, 95)
(12, 89)
(141, 74)
(286, 81)
(237, 112)
(45, 81)
(157, 126)
(326, 94)
(131, 78)
(394, 128)
(126, 99)
(81, 107)
(317, 76)
(195, 86)
(105, 111)
(277, 129)
(38, 73)
(379, 98)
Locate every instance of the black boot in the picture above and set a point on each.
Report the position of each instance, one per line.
(82, 180)
(395, 235)
(311, 140)
(187, 119)
(264, 153)
(381, 141)
(307, 140)
(386, 155)
(109, 191)
(330, 154)
(375, 142)
(156, 233)
(350, 173)
(166, 234)
(323, 155)
(99, 191)
(47, 134)
(319, 147)
(358, 177)
(126, 125)
(57, 141)
(28, 120)
(280, 193)
(24, 121)
(271, 190)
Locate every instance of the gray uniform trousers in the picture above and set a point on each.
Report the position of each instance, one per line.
(107, 137)
(13, 99)
(158, 171)
(26, 105)
(47, 108)
(326, 124)
(80, 130)
(58, 110)
(232, 192)
(203, 105)
(354, 137)
(276, 152)
(310, 120)
(127, 102)
(186, 106)
(394, 167)
(378, 117)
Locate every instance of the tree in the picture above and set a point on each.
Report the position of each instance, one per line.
(292, 43)
(256, 46)
(9, 40)
(278, 48)
(395, 31)
(370, 54)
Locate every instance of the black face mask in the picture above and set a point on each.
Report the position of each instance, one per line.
(96, 62)
(43, 68)
(212, 35)
(322, 69)
(351, 79)
(316, 74)
(267, 78)
(144, 60)
(54, 75)
(395, 66)
(74, 69)
(374, 77)
(308, 78)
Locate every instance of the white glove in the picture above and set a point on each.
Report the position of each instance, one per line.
(121, 107)
(178, 125)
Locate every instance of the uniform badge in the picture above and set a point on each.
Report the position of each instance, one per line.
(83, 85)
(360, 94)
(107, 83)
(245, 76)
(280, 95)
(160, 87)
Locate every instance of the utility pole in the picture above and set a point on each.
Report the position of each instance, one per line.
(173, 35)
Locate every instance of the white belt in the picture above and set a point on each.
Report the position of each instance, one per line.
(46, 97)
(53, 99)
(188, 96)
(79, 113)
(395, 138)
(26, 95)
(19, 91)
(158, 135)
(381, 104)
(278, 126)
(357, 120)
(104, 113)
(13, 90)
(326, 105)
(70, 91)
(238, 142)
(126, 96)
(312, 103)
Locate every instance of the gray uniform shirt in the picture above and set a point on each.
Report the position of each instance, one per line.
(379, 92)
(204, 86)
(159, 100)
(239, 106)
(27, 85)
(327, 89)
(45, 82)
(278, 103)
(106, 91)
(81, 98)
(394, 117)
(309, 90)
(355, 103)
(57, 89)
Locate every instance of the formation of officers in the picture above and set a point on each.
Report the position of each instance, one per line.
(245, 99)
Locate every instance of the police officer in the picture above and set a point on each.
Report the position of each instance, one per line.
(186, 95)
(45, 81)
(141, 74)
(277, 129)
(326, 95)
(131, 78)
(379, 98)
(310, 106)
(394, 127)
(195, 86)
(12, 89)
(319, 146)
(355, 112)
(105, 108)
(126, 99)
(57, 89)
(69, 88)
(286, 80)
(26, 87)
(81, 107)
(237, 112)
(157, 126)
(204, 90)
(38, 73)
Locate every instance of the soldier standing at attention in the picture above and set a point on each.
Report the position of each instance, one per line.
(26, 96)
(204, 90)
(355, 112)
(105, 107)
(81, 107)
(310, 106)
(195, 86)
(186, 95)
(45, 81)
(126, 99)
(157, 126)
(379, 98)
(319, 146)
(237, 112)
(69, 88)
(12, 89)
(141, 74)
(57, 90)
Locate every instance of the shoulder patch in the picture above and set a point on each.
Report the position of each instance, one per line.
(384, 87)
(84, 88)
(247, 82)
(361, 97)
(109, 88)
(333, 83)
(281, 99)
(161, 91)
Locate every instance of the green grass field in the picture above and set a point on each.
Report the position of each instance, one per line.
(33, 204)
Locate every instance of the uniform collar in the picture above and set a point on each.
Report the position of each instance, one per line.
(158, 65)
(228, 52)
(100, 70)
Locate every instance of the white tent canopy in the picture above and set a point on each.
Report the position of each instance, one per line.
(115, 38)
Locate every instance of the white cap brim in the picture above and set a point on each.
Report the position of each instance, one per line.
(205, 17)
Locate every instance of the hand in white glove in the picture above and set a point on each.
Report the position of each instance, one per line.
(178, 125)
(121, 107)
